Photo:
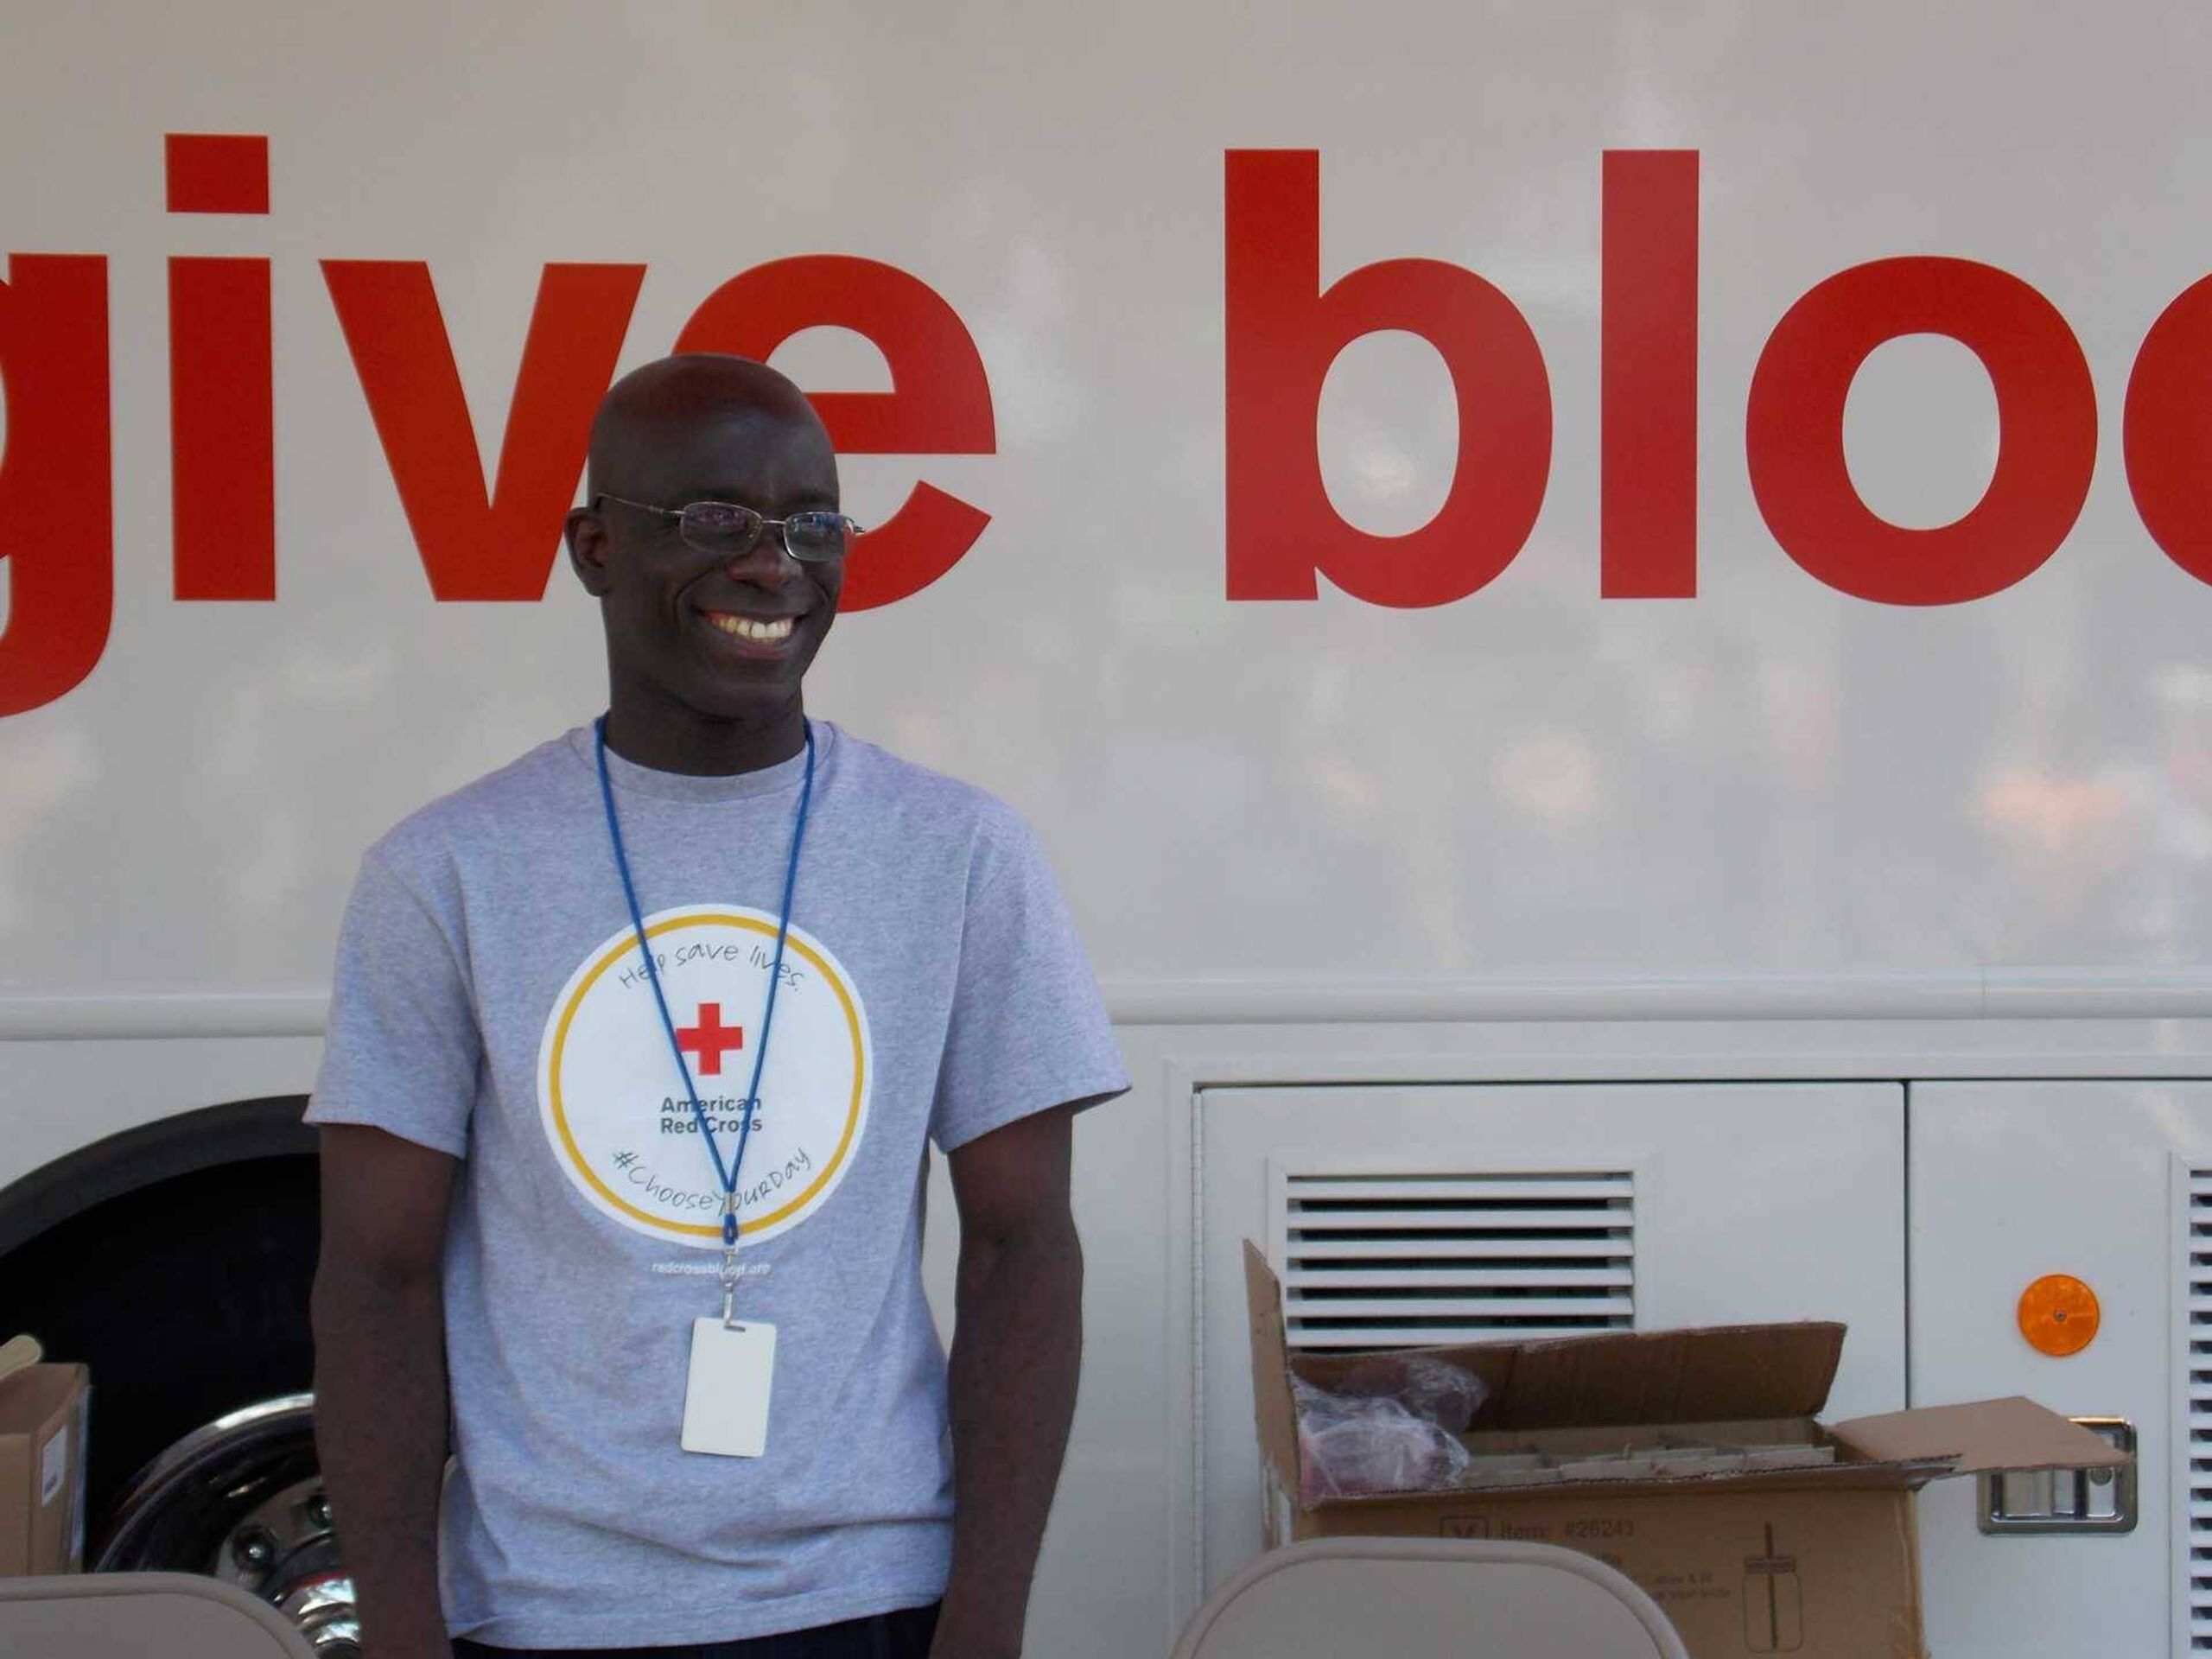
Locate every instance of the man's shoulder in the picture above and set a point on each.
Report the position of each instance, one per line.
(950, 804)
(431, 839)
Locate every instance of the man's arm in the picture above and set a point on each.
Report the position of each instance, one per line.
(380, 1377)
(1017, 1347)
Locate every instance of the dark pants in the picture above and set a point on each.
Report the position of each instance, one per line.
(903, 1634)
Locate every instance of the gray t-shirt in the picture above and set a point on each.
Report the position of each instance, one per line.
(489, 1001)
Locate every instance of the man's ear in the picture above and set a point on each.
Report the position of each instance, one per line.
(585, 532)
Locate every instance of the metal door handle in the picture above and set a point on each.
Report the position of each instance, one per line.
(2067, 1501)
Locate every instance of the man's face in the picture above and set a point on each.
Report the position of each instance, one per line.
(729, 639)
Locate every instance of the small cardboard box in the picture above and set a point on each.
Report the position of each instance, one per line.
(43, 1414)
(1691, 1461)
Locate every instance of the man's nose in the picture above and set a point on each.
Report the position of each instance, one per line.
(765, 565)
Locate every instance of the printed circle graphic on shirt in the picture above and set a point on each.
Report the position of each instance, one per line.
(614, 1104)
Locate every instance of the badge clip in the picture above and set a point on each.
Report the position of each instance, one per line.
(730, 1260)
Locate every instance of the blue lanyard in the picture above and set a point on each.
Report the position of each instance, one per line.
(727, 1174)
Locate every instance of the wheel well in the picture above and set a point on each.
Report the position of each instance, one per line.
(176, 1261)
(236, 1132)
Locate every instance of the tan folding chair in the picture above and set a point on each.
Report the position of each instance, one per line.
(132, 1615)
(1427, 1598)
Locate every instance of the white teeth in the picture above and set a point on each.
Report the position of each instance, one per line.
(767, 632)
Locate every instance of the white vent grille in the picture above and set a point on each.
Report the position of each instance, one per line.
(1403, 1260)
(2200, 1410)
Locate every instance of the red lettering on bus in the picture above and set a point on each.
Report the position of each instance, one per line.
(1284, 330)
(2047, 417)
(1647, 352)
(222, 405)
(57, 497)
(222, 430)
(939, 402)
(473, 545)
(2166, 432)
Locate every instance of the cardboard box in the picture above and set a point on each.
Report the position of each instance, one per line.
(1693, 1461)
(42, 1415)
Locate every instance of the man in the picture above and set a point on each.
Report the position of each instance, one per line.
(649, 1218)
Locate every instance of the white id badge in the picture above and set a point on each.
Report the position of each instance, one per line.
(726, 1401)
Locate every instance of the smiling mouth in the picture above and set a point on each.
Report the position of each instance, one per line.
(760, 629)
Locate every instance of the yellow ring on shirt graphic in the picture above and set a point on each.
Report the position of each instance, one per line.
(624, 946)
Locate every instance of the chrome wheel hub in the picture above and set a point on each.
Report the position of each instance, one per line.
(242, 1500)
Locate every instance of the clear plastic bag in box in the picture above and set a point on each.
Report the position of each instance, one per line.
(1387, 1427)
(1447, 1395)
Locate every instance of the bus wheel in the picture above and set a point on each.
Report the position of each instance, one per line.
(242, 1500)
(174, 1262)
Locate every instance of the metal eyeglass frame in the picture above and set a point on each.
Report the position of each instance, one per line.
(781, 526)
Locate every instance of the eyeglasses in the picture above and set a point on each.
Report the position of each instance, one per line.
(727, 530)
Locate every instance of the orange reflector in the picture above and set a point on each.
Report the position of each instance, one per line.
(2059, 1315)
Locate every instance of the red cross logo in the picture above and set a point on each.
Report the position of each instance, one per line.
(710, 1039)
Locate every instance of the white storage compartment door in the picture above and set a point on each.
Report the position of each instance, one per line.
(1459, 1213)
(2109, 1183)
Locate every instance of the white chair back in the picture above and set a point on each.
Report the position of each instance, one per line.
(132, 1615)
(1428, 1599)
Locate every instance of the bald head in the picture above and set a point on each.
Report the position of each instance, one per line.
(676, 405)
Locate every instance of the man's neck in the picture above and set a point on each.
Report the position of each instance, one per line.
(675, 739)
